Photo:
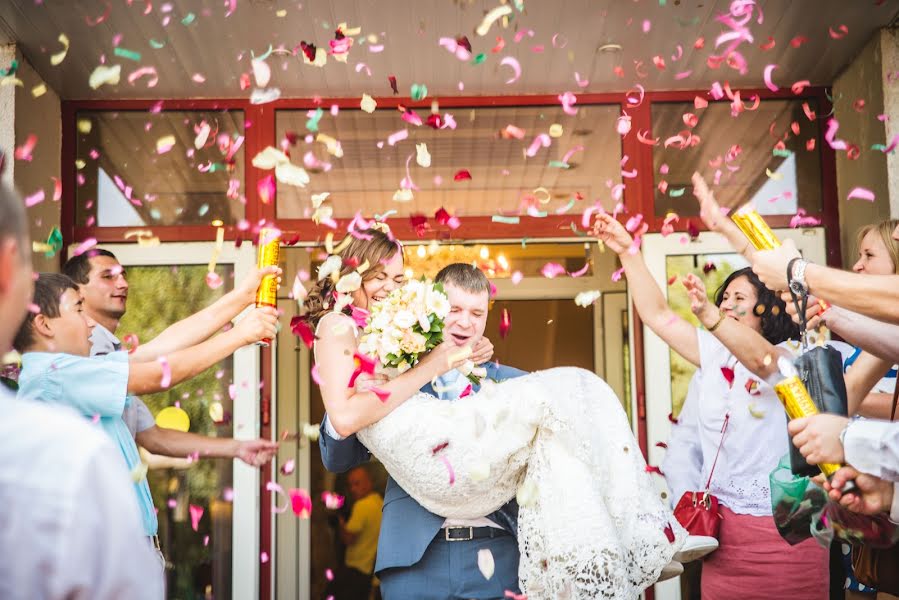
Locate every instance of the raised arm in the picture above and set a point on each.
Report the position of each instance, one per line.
(201, 325)
(879, 338)
(350, 410)
(875, 296)
(648, 298)
(711, 214)
(864, 374)
(748, 345)
(147, 377)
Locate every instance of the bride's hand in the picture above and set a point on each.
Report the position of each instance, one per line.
(612, 233)
(445, 357)
(482, 351)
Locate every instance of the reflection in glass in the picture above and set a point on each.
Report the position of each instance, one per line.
(138, 168)
(200, 560)
(769, 156)
(504, 181)
(713, 269)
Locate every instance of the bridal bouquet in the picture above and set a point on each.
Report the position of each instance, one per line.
(405, 325)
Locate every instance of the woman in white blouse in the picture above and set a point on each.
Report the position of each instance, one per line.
(748, 328)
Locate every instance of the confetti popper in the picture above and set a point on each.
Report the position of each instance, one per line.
(269, 255)
(759, 234)
(796, 400)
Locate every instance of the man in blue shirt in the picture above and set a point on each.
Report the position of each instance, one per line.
(421, 555)
(57, 367)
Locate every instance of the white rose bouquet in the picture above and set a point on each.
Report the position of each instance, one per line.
(405, 325)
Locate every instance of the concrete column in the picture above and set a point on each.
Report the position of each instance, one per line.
(871, 78)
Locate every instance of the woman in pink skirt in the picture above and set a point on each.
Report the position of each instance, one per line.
(748, 327)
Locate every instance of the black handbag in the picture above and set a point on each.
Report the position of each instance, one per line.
(821, 370)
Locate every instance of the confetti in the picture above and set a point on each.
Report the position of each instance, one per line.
(449, 467)
(461, 175)
(129, 54)
(277, 490)
(24, 152)
(418, 92)
(491, 17)
(34, 199)
(300, 502)
(513, 63)
(263, 557)
(196, 513)
(728, 374)
(105, 75)
(485, 563)
(60, 56)
(585, 299)
(368, 104)
(165, 143)
(860, 193)
(332, 501)
(166, 379)
(144, 71)
(768, 83)
(398, 136)
(392, 80)
(505, 324)
(568, 100)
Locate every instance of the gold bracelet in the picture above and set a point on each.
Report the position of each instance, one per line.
(717, 323)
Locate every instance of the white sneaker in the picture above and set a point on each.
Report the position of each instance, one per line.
(695, 547)
(670, 571)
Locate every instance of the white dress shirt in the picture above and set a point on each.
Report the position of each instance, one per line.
(69, 524)
(872, 447)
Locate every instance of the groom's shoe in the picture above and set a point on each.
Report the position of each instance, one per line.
(695, 547)
(670, 571)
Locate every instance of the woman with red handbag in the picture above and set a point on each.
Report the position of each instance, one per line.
(741, 427)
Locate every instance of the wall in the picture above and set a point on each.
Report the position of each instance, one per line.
(862, 79)
(39, 116)
(7, 114)
(889, 43)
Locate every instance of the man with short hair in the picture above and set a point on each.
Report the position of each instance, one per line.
(104, 286)
(70, 525)
(422, 555)
(360, 536)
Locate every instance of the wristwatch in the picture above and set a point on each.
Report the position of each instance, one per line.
(797, 276)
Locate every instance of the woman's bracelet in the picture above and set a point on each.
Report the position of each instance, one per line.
(717, 323)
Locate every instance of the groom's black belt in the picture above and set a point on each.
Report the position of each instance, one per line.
(464, 534)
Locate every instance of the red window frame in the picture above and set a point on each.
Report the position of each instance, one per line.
(639, 197)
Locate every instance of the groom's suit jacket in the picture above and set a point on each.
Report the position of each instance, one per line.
(406, 526)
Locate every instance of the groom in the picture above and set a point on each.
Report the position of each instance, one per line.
(421, 555)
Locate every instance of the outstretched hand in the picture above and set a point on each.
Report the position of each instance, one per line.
(612, 233)
(255, 452)
(709, 211)
(699, 300)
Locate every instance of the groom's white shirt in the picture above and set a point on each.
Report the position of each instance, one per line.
(447, 387)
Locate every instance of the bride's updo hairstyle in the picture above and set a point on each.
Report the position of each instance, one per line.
(372, 245)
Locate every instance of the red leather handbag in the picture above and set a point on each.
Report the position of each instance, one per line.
(698, 511)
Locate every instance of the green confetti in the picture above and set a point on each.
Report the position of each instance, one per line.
(506, 220)
(125, 53)
(577, 231)
(188, 19)
(13, 67)
(538, 213)
(203, 210)
(881, 147)
(782, 153)
(677, 193)
(54, 240)
(479, 59)
(663, 2)
(559, 164)
(155, 214)
(312, 123)
(419, 92)
(264, 56)
(156, 45)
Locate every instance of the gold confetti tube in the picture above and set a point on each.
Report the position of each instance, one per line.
(798, 403)
(755, 229)
(268, 256)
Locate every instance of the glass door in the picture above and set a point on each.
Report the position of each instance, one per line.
(712, 258)
(219, 559)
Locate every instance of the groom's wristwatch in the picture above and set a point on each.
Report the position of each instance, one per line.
(797, 276)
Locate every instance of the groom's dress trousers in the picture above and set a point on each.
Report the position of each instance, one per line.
(424, 556)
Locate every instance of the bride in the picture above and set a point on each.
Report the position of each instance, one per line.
(591, 523)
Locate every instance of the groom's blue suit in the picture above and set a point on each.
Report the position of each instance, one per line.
(408, 529)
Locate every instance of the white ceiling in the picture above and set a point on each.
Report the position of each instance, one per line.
(217, 48)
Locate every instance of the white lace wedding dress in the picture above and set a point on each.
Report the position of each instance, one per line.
(591, 523)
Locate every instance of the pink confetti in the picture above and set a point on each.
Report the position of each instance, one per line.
(24, 151)
(332, 501)
(263, 557)
(205, 540)
(616, 276)
(300, 503)
(801, 220)
(513, 63)
(196, 513)
(276, 489)
(84, 246)
(551, 270)
(166, 380)
(144, 71)
(329, 574)
(623, 125)
(57, 189)
(581, 83)
(768, 83)
(35, 198)
(288, 467)
(861, 194)
(449, 468)
(542, 140)
(214, 280)
(635, 97)
(843, 30)
(397, 136)
(800, 86)
(832, 127)
(647, 25)
(517, 276)
(198, 78)
(568, 101)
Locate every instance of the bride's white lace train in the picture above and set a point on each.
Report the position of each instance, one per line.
(591, 522)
